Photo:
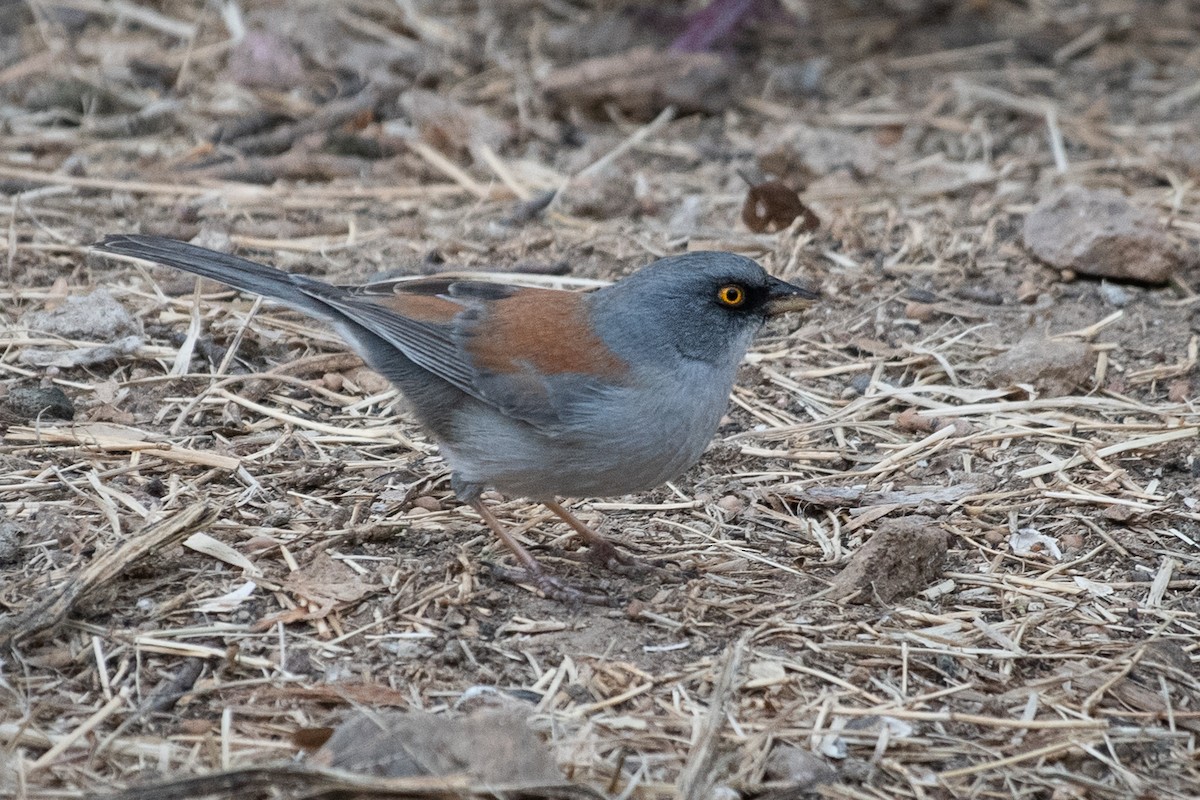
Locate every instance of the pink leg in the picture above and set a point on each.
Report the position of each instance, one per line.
(533, 572)
(601, 550)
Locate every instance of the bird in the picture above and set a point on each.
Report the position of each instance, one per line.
(537, 392)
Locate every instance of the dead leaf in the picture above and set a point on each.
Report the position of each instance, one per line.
(773, 205)
(326, 583)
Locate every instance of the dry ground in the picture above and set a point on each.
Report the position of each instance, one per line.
(327, 567)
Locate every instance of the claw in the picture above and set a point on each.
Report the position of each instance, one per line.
(607, 555)
(551, 587)
(600, 552)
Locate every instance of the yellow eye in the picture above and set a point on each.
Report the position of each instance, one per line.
(731, 295)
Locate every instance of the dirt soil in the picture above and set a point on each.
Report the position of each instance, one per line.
(222, 535)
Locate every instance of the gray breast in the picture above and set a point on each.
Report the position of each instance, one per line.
(626, 440)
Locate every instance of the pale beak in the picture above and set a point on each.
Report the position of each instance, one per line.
(783, 297)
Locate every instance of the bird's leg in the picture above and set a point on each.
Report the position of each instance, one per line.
(600, 550)
(550, 586)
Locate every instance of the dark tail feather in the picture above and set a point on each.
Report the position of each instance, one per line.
(231, 270)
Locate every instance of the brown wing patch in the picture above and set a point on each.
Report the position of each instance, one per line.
(421, 307)
(543, 329)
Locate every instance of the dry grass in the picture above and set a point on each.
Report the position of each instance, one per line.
(242, 536)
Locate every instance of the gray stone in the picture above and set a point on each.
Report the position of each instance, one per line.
(1054, 367)
(1098, 232)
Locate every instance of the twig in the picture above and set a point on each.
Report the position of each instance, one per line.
(54, 608)
(695, 781)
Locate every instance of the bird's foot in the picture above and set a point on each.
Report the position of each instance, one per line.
(603, 553)
(606, 555)
(552, 587)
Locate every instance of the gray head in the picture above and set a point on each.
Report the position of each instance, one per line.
(703, 305)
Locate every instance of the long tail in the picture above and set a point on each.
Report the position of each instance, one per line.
(296, 291)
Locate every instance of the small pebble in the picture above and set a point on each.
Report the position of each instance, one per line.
(921, 312)
(31, 402)
(1072, 541)
(980, 294)
(1114, 294)
(428, 503)
(800, 78)
(860, 383)
(10, 543)
(1118, 513)
(1028, 292)
(194, 727)
(731, 505)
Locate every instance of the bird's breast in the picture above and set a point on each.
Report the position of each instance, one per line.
(626, 439)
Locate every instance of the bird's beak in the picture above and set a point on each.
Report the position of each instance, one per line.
(783, 297)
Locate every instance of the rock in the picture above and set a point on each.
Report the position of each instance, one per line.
(799, 79)
(1098, 232)
(11, 536)
(265, 60)
(1114, 294)
(731, 505)
(1119, 514)
(97, 317)
(428, 503)
(368, 380)
(32, 402)
(489, 746)
(1053, 366)
(903, 557)
(921, 312)
(81, 356)
(799, 770)
(608, 194)
(1028, 292)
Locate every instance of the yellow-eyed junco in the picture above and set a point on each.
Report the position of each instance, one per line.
(541, 392)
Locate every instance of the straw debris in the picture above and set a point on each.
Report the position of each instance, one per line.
(228, 533)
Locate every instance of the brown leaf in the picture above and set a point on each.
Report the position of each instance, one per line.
(311, 738)
(773, 205)
(326, 582)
